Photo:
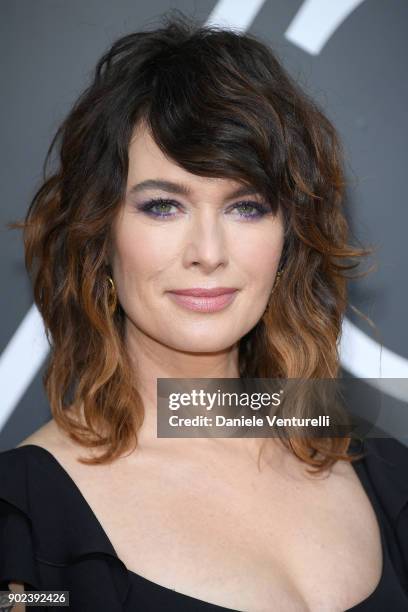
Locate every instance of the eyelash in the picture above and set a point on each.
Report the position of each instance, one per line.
(147, 207)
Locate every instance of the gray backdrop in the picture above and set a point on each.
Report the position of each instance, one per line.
(350, 55)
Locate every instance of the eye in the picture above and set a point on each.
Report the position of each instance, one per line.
(162, 208)
(158, 207)
(251, 209)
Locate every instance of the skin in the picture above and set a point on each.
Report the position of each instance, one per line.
(190, 502)
(206, 242)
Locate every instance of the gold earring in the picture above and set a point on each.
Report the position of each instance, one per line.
(112, 296)
(277, 279)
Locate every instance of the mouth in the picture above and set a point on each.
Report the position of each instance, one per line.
(204, 300)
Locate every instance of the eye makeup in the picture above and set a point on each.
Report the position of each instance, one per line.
(159, 208)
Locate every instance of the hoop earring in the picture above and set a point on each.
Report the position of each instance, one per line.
(112, 296)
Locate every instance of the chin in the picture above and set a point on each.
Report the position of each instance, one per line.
(210, 343)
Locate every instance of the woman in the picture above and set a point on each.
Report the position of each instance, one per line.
(194, 162)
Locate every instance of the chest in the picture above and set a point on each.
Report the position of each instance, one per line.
(243, 540)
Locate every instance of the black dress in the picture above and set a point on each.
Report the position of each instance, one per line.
(51, 540)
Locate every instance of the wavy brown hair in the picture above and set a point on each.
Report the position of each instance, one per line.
(220, 104)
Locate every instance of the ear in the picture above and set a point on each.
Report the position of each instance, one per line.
(107, 259)
(106, 262)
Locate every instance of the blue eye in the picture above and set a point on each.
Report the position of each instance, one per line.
(161, 207)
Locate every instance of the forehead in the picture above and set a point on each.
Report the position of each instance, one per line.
(147, 162)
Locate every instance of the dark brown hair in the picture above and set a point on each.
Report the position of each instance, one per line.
(220, 104)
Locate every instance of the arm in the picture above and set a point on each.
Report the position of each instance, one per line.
(17, 587)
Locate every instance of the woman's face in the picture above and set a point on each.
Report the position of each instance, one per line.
(188, 232)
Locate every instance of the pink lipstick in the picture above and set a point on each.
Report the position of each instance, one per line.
(204, 300)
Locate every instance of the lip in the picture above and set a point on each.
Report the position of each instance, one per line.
(203, 292)
(204, 300)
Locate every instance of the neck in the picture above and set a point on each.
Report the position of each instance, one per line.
(152, 360)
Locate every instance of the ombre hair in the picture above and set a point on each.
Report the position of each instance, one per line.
(220, 104)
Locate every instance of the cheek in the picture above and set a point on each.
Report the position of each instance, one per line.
(140, 255)
(259, 257)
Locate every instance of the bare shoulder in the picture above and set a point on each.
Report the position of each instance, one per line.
(56, 441)
(48, 436)
(66, 451)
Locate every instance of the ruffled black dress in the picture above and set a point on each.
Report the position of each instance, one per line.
(51, 540)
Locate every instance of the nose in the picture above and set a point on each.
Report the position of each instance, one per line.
(206, 241)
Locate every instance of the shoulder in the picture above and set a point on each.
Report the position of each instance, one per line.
(388, 452)
(22, 466)
(16, 522)
(386, 466)
(29, 476)
(58, 443)
(48, 535)
(385, 462)
(49, 436)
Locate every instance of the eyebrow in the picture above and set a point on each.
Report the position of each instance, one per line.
(181, 189)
